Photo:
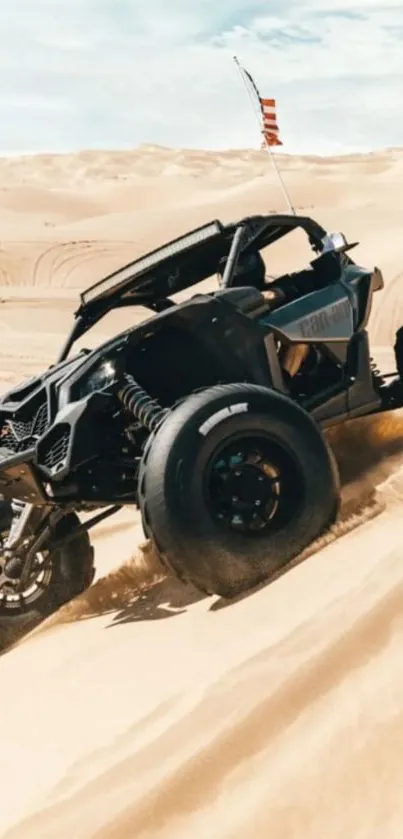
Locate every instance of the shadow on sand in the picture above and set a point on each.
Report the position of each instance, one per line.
(367, 451)
(165, 599)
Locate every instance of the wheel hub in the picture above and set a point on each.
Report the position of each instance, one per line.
(10, 574)
(245, 488)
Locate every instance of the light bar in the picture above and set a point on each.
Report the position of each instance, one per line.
(118, 278)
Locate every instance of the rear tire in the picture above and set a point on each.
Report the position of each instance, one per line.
(183, 487)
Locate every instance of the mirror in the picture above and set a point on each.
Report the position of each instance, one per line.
(334, 242)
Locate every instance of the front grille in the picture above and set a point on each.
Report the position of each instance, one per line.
(55, 448)
(8, 439)
(40, 423)
(22, 432)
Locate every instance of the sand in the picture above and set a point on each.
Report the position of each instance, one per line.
(144, 709)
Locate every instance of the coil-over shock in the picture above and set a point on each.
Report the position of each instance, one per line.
(138, 402)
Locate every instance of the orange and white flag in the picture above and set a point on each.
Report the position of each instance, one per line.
(270, 129)
(266, 116)
(269, 125)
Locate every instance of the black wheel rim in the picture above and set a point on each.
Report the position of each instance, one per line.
(253, 485)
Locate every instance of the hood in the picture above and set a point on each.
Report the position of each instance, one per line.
(17, 395)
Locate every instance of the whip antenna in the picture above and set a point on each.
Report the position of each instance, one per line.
(265, 113)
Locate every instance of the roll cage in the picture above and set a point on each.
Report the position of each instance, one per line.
(183, 262)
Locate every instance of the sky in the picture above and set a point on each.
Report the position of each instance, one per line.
(111, 74)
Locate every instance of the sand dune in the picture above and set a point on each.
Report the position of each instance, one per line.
(144, 709)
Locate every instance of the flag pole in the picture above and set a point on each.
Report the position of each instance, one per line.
(267, 146)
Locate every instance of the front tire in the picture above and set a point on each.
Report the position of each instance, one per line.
(247, 443)
(68, 572)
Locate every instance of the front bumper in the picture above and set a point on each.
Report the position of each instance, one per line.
(19, 478)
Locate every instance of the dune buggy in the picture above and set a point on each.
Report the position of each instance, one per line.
(208, 416)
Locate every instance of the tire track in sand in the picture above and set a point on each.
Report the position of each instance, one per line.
(57, 264)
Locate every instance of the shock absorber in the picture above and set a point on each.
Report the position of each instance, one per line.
(144, 408)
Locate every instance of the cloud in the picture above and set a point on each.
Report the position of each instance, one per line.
(116, 73)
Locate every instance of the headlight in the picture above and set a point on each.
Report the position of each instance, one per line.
(101, 377)
(97, 379)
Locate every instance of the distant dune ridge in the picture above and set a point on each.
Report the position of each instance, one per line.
(144, 709)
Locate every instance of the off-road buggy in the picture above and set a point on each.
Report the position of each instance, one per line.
(208, 416)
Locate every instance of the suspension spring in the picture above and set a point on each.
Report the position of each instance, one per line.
(144, 408)
(377, 377)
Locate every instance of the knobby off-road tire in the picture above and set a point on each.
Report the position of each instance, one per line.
(71, 571)
(182, 476)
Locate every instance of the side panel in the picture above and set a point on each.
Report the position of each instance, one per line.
(320, 317)
(197, 344)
